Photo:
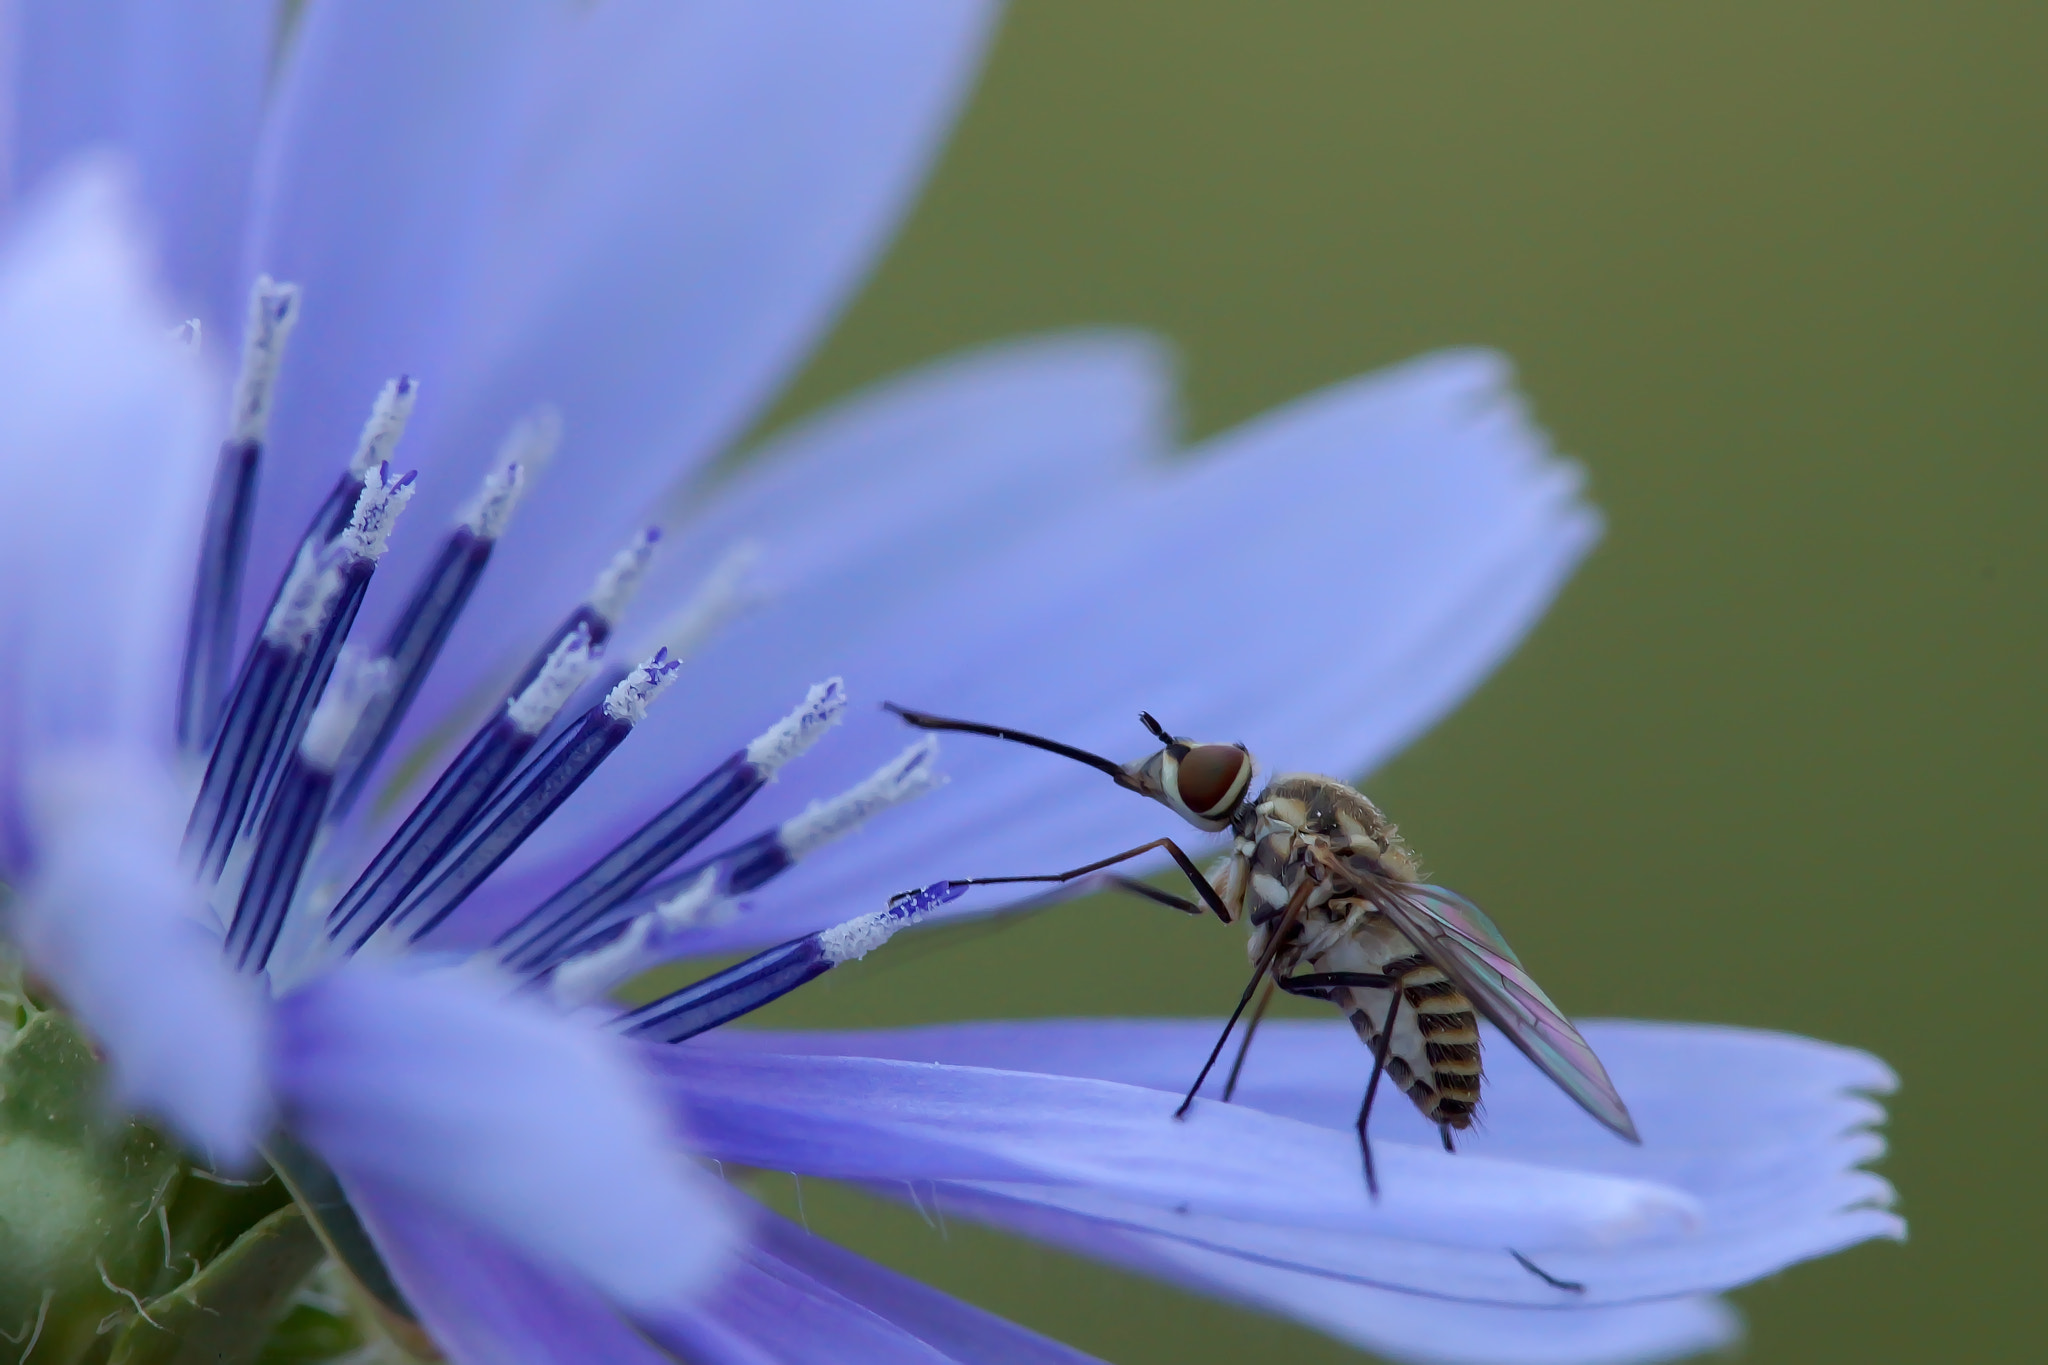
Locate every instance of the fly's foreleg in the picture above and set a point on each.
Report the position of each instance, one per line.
(1208, 893)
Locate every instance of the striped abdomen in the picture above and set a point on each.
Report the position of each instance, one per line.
(1435, 1056)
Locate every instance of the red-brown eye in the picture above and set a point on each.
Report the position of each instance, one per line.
(1210, 776)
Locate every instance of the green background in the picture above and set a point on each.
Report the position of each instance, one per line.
(1775, 273)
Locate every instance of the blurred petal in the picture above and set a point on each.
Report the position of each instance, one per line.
(1321, 584)
(177, 85)
(866, 1119)
(110, 919)
(483, 1302)
(530, 1127)
(641, 212)
(799, 1299)
(943, 465)
(104, 473)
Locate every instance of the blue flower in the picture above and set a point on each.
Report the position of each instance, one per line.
(637, 216)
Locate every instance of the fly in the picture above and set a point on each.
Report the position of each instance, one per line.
(1339, 912)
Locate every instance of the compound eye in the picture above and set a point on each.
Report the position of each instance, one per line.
(1211, 777)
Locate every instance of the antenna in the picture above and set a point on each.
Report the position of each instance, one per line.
(925, 721)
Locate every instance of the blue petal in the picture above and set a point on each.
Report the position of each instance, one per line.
(641, 212)
(177, 85)
(1766, 1131)
(796, 1299)
(508, 1118)
(481, 1300)
(106, 470)
(877, 1120)
(1406, 1326)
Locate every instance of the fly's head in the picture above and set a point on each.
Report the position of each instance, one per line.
(1204, 784)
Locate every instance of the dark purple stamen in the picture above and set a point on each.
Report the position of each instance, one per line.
(765, 977)
(251, 715)
(535, 943)
(431, 830)
(217, 593)
(740, 869)
(303, 686)
(413, 645)
(525, 804)
(289, 827)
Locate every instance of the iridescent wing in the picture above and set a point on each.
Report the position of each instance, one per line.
(1459, 939)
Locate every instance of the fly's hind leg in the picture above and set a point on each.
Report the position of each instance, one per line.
(1379, 1064)
(1568, 1286)
(1244, 1044)
(1314, 985)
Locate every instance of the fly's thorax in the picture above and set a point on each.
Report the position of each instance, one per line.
(1336, 817)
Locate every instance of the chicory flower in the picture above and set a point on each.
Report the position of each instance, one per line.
(640, 215)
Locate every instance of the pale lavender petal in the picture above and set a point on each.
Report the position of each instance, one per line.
(796, 1298)
(1766, 1131)
(481, 1300)
(638, 211)
(935, 469)
(865, 1119)
(1406, 1326)
(177, 85)
(104, 473)
(531, 1126)
(1321, 584)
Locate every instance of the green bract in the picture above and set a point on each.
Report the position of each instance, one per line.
(116, 1248)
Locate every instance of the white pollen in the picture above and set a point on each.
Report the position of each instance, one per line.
(490, 511)
(796, 732)
(356, 682)
(855, 939)
(647, 942)
(368, 533)
(533, 440)
(910, 774)
(388, 416)
(567, 665)
(273, 312)
(306, 598)
(698, 903)
(628, 702)
(613, 592)
(724, 594)
(589, 978)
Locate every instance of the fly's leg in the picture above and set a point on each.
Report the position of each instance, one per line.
(1288, 919)
(1187, 867)
(1569, 1286)
(1379, 1064)
(1244, 1044)
(1314, 985)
